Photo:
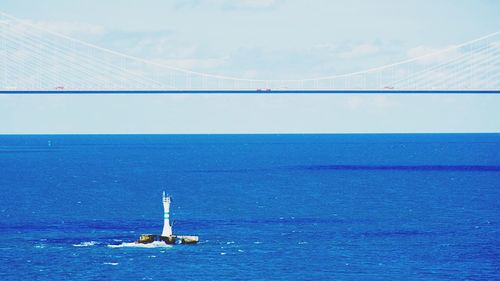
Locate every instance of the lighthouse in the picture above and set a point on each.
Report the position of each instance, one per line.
(166, 235)
(167, 228)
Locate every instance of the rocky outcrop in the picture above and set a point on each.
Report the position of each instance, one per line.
(168, 239)
(146, 238)
(171, 239)
(189, 239)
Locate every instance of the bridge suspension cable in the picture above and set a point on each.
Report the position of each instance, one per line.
(36, 58)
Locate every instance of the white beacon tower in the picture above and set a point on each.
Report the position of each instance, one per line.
(167, 228)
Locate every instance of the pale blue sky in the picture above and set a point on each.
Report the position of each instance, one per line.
(150, 114)
(265, 39)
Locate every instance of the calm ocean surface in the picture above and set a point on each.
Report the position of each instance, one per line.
(266, 207)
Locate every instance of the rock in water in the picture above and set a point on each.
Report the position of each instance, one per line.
(146, 238)
(189, 239)
(168, 239)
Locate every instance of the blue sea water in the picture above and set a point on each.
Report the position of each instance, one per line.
(266, 207)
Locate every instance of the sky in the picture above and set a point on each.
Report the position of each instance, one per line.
(264, 39)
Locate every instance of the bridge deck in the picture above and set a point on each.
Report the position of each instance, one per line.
(250, 92)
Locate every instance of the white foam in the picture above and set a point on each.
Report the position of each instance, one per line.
(85, 244)
(155, 244)
(111, 263)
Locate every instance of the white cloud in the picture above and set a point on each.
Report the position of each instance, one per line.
(71, 28)
(230, 4)
(255, 3)
(193, 63)
(360, 51)
(431, 55)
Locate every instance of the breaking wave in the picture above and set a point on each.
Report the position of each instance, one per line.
(85, 244)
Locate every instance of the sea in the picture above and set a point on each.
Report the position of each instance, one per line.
(266, 207)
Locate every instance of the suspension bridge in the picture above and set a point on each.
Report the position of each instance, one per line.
(34, 59)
